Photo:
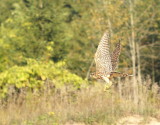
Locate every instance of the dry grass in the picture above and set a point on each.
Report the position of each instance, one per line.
(90, 105)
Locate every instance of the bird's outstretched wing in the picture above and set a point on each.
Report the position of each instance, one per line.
(102, 56)
(118, 74)
(115, 56)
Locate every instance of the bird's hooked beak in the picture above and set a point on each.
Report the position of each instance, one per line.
(92, 75)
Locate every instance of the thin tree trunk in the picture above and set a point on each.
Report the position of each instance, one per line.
(133, 53)
(88, 72)
(139, 64)
(153, 69)
(40, 4)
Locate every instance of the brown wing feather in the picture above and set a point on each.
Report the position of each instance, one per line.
(102, 56)
(115, 56)
(118, 74)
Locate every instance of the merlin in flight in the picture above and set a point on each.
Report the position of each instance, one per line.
(106, 62)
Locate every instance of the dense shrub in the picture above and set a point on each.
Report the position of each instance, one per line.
(33, 76)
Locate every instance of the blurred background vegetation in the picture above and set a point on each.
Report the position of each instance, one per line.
(54, 41)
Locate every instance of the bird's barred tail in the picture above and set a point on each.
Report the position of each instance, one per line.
(118, 74)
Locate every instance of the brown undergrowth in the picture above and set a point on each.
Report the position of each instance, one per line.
(89, 105)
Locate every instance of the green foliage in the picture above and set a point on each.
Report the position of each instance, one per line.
(33, 31)
(70, 30)
(35, 74)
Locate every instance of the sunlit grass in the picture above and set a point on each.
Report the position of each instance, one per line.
(89, 105)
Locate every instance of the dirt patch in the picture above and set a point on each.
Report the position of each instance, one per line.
(130, 120)
(73, 123)
(138, 120)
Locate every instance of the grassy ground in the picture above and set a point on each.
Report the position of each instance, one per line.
(90, 105)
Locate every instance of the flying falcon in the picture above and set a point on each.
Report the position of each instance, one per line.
(106, 62)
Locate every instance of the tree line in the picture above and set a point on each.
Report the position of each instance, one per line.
(70, 31)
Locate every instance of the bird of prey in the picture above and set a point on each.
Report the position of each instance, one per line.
(106, 62)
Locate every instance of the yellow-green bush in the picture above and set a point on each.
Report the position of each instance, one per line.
(35, 73)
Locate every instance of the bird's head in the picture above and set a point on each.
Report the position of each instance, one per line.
(93, 75)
